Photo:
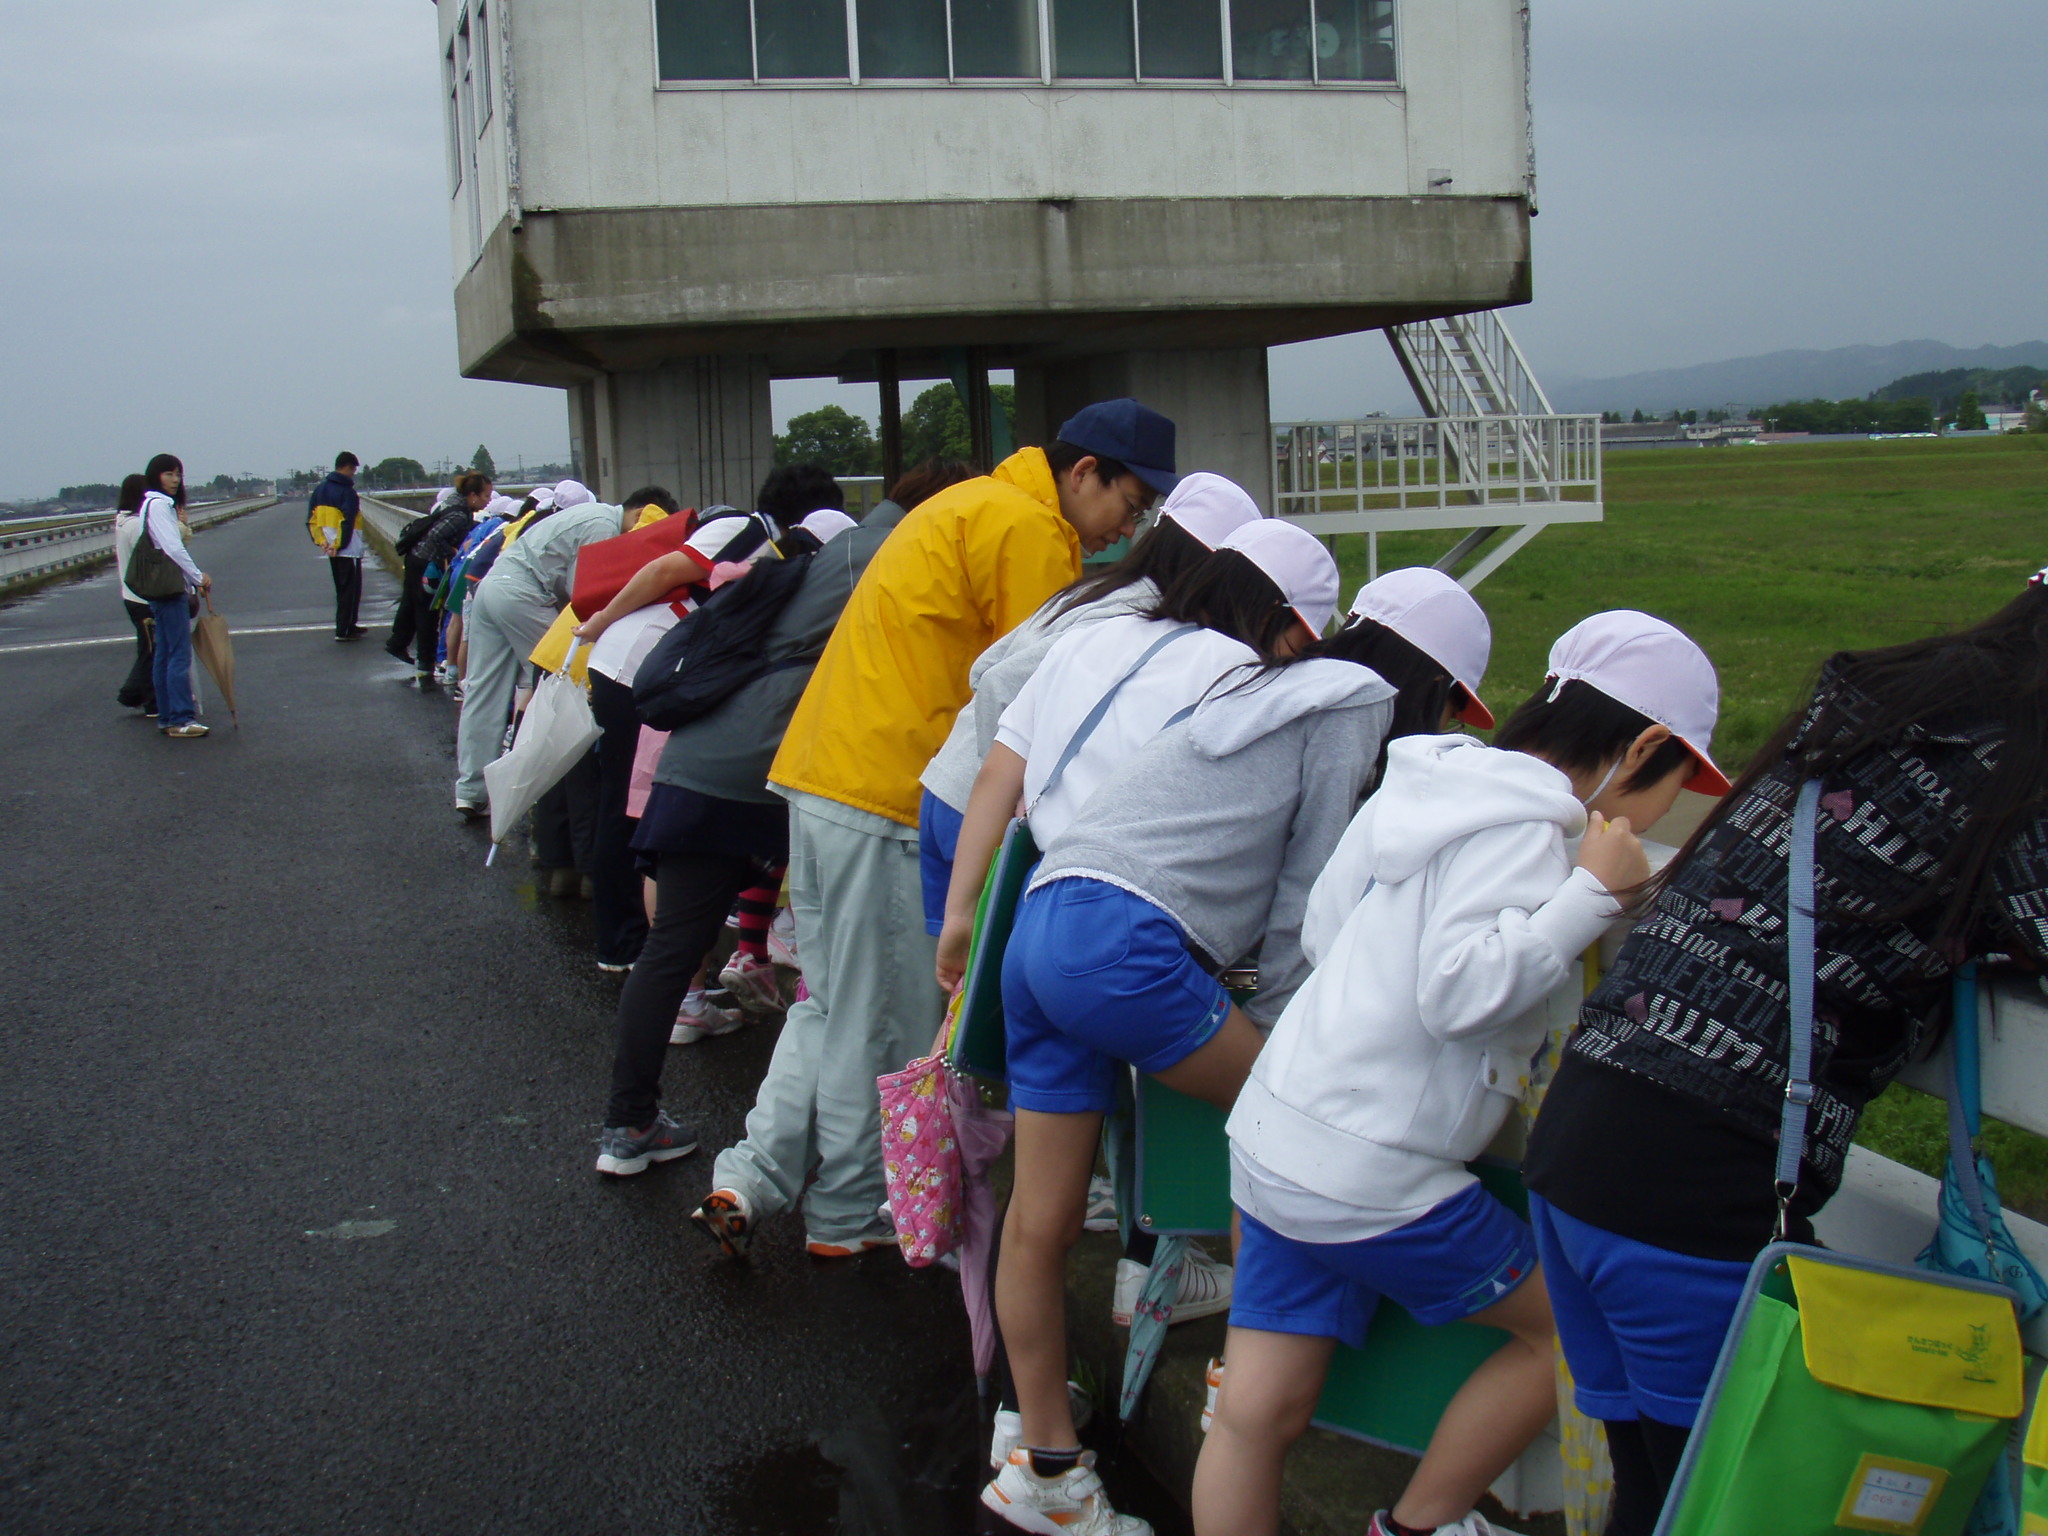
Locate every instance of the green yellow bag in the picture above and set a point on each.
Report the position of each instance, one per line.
(1851, 1395)
(2034, 1473)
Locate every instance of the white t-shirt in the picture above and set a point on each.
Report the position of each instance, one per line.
(622, 647)
(1082, 666)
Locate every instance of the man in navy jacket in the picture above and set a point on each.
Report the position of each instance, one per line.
(334, 519)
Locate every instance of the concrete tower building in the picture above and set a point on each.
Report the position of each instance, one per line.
(661, 205)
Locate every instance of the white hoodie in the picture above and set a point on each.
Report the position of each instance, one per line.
(1448, 912)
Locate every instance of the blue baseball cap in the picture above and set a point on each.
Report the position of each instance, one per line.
(1134, 435)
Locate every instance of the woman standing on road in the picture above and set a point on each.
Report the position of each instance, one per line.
(171, 667)
(138, 692)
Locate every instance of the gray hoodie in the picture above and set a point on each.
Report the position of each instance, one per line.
(1225, 820)
(999, 675)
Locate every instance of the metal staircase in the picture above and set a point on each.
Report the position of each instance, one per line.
(1488, 439)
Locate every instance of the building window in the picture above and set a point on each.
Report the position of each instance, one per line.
(483, 68)
(454, 123)
(1281, 42)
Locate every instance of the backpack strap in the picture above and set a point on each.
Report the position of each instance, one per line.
(1095, 716)
(1799, 945)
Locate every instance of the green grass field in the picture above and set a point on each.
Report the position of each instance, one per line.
(1773, 558)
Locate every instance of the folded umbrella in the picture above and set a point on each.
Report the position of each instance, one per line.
(210, 643)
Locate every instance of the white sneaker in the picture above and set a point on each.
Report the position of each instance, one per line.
(1101, 1215)
(782, 938)
(703, 1021)
(753, 981)
(1212, 1383)
(1474, 1524)
(1009, 1426)
(1204, 1288)
(1072, 1504)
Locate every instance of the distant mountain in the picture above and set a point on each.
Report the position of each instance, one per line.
(1843, 373)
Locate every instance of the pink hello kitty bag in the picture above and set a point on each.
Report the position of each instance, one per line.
(921, 1154)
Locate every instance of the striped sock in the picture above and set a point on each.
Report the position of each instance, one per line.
(756, 908)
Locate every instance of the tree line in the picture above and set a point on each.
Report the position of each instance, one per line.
(935, 427)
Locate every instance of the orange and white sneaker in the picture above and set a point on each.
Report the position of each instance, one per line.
(725, 1218)
(1212, 1383)
(818, 1250)
(1072, 1504)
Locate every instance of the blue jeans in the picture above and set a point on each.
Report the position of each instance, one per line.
(170, 670)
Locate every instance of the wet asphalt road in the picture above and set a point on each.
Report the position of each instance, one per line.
(299, 1229)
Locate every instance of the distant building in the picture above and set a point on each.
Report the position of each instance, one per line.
(2005, 418)
(660, 207)
(1678, 434)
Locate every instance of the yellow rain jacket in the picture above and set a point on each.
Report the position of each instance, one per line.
(960, 570)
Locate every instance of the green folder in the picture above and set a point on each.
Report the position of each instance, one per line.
(979, 1045)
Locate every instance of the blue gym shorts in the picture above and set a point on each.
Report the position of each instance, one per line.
(1457, 1258)
(1641, 1327)
(1095, 976)
(938, 836)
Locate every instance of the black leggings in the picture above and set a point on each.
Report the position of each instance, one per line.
(1645, 1454)
(693, 893)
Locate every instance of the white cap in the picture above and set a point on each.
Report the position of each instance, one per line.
(826, 524)
(1297, 563)
(571, 493)
(1208, 507)
(1440, 619)
(542, 497)
(1653, 668)
(502, 506)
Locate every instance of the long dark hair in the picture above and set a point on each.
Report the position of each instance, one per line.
(1160, 556)
(1225, 592)
(1995, 672)
(1422, 685)
(130, 499)
(1580, 729)
(152, 476)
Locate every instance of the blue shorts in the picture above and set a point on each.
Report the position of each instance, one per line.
(1457, 1258)
(1094, 976)
(938, 835)
(1641, 1327)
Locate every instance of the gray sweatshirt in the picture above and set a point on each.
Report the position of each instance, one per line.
(1225, 820)
(999, 675)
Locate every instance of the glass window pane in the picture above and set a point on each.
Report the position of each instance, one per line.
(995, 39)
(1180, 40)
(1091, 40)
(1355, 39)
(800, 39)
(1271, 39)
(483, 67)
(902, 39)
(703, 40)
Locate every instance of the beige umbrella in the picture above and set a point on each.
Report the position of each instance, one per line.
(211, 645)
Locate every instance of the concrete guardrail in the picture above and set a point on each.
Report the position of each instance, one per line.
(36, 554)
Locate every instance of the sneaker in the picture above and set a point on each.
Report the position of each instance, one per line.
(1009, 1427)
(615, 967)
(818, 1250)
(469, 810)
(753, 982)
(1204, 1288)
(398, 653)
(1212, 1383)
(1101, 1215)
(782, 939)
(727, 1219)
(460, 691)
(622, 1150)
(1474, 1524)
(191, 730)
(703, 1021)
(1072, 1504)
(564, 882)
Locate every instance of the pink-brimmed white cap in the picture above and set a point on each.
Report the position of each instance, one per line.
(1440, 619)
(1209, 507)
(1296, 562)
(1656, 670)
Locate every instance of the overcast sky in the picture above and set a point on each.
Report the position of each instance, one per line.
(226, 230)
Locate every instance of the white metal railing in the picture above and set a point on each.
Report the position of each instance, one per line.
(1482, 472)
(1468, 365)
(47, 550)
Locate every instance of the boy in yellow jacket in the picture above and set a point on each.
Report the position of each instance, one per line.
(961, 569)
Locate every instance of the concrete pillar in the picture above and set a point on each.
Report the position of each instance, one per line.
(700, 427)
(1215, 396)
